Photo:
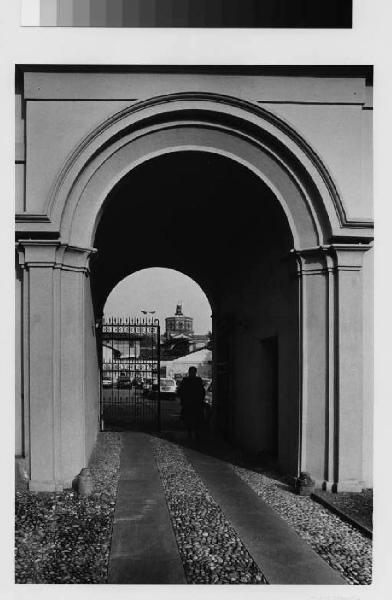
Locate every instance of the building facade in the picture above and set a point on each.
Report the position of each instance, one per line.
(179, 337)
(179, 367)
(275, 165)
(179, 324)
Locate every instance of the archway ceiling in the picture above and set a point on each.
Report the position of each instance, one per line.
(198, 213)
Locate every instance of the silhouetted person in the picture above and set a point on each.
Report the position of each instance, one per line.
(192, 392)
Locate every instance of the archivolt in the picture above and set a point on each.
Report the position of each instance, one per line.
(234, 128)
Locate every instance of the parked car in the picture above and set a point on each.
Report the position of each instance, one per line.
(168, 387)
(154, 385)
(107, 382)
(124, 381)
(138, 383)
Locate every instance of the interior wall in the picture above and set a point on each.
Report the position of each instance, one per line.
(268, 356)
(264, 303)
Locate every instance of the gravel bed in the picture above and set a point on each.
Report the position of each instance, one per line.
(342, 546)
(210, 549)
(63, 538)
(357, 505)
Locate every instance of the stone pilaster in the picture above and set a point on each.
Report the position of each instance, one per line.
(313, 361)
(349, 365)
(331, 364)
(53, 360)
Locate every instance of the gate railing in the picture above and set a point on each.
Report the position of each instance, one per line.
(130, 373)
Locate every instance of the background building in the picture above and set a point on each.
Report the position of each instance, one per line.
(179, 338)
(179, 324)
(178, 367)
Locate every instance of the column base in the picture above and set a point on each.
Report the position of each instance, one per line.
(45, 486)
(21, 473)
(327, 486)
(348, 485)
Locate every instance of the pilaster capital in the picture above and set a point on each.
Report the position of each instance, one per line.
(53, 254)
(330, 258)
(348, 257)
(311, 261)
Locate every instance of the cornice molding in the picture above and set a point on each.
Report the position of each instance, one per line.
(27, 217)
(328, 248)
(332, 258)
(54, 255)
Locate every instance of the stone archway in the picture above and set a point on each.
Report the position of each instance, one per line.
(60, 370)
(181, 209)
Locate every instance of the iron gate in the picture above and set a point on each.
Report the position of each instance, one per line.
(130, 374)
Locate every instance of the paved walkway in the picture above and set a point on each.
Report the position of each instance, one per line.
(144, 548)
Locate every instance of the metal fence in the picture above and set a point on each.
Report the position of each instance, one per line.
(130, 374)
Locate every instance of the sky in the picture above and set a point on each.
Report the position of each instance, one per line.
(160, 290)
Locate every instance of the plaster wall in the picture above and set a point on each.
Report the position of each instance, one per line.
(72, 374)
(19, 449)
(57, 391)
(19, 128)
(19, 187)
(315, 374)
(368, 371)
(350, 385)
(266, 304)
(327, 112)
(43, 409)
(63, 365)
(340, 134)
(53, 131)
(19, 155)
(79, 374)
(139, 86)
(91, 372)
(367, 158)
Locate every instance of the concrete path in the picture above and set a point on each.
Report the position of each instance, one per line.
(144, 549)
(281, 555)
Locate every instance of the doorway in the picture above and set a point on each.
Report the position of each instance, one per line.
(207, 217)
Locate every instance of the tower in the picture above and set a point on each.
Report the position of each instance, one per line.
(179, 325)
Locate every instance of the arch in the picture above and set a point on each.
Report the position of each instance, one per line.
(323, 345)
(211, 193)
(238, 130)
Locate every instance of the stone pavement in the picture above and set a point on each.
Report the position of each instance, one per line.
(144, 548)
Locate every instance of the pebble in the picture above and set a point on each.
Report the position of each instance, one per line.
(342, 546)
(63, 538)
(210, 549)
